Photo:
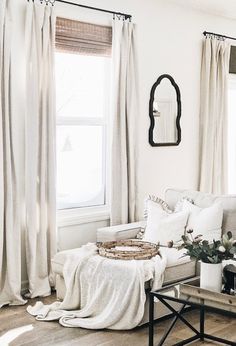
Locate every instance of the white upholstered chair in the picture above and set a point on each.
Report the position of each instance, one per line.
(177, 270)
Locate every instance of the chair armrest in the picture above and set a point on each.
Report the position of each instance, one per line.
(120, 232)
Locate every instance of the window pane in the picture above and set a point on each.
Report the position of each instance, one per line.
(80, 162)
(82, 85)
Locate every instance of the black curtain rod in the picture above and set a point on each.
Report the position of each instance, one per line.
(126, 16)
(219, 35)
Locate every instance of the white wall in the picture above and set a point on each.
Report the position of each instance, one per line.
(168, 41)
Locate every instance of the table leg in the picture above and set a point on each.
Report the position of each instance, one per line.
(202, 323)
(151, 317)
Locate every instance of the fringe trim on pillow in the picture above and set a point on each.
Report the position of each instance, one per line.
(159, 201)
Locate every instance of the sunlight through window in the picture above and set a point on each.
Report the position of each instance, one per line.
(82, 105)
(12, 334)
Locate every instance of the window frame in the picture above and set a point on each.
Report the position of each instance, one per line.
(93, 213)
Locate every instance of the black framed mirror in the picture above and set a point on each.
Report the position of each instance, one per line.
(165, 112)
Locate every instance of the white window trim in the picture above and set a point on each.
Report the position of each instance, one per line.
(88, 121)
(78, 216)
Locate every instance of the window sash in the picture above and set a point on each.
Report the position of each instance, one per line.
(90, 203)
(81, 121)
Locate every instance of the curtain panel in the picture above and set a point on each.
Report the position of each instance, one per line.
(124, 117)
(10, 222)
(40, 153)
(213, 115)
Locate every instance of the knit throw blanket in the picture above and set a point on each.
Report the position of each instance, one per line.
(101, 292)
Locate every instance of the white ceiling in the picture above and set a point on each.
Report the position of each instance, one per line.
(225, 8)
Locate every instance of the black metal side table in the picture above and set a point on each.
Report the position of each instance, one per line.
(173, 293)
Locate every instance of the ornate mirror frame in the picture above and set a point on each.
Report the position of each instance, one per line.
(152, 119)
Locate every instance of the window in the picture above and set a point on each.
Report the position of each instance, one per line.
(231, 134)
(82, 94)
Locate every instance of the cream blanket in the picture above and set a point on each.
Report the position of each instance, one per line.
(101, 292)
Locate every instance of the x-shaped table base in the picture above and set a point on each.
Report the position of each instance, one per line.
(199, 335)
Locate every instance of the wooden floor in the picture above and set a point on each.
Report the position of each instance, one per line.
(18, 328)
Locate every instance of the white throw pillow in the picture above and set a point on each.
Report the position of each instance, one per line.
(205, 221)
(179, 204)
(162, 226)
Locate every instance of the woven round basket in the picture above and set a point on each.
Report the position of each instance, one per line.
(128, 250)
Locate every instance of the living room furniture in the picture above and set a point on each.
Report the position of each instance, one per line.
(188, 294)
(177, 269)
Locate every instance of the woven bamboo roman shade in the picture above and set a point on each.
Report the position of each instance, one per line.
(83, 38)
(232, 62)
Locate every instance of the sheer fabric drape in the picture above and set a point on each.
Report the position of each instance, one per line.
(213, 116)
(124, 117)
(40, 148)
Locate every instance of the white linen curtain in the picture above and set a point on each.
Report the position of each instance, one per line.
(213, 116)
(10, 224)
(124, 117)
(40, 148)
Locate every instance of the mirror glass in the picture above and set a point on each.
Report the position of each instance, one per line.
(164, 112)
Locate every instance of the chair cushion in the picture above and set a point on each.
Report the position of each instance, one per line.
(179, 271)
(59, 260)
(203, 200)
(205, 221)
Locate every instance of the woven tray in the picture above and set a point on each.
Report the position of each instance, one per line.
(128, 250)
